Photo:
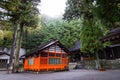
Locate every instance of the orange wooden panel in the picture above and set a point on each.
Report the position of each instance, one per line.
(43, 63)
(26, 64)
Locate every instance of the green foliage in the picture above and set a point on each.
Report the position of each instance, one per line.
(77, 8)
(92, 28)
(21, 12)
(108, 11)
(73, 6)
(1, 34)
(90, 35)
(5, 38)
(66, 33)
(8, 34)
(18, 10)
(34, 38)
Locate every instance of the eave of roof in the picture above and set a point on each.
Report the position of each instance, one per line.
(2, 53)
(47, 44)
(115, 45)
(115, 33)
(76, 47)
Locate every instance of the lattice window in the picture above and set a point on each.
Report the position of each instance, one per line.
(54, 61)
(58, 49)
(31, 61)
(52, 48)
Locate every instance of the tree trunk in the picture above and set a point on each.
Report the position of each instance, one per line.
(98, 65)
(19, 39)
(26, 36)
(10, 67)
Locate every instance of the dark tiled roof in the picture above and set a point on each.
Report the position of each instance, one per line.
(5, 53)
(115, 45)
(2, 53)
(76, 47)
(45, 45)
(112, 33)
(115, 30)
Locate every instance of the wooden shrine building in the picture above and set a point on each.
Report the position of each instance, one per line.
(49, 56)
(112, 51)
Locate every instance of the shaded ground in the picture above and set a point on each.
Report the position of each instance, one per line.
(68, 75)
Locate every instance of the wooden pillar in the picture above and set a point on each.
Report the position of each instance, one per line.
(48, 59)
(39, 62)
(105, 54)
(113, 53)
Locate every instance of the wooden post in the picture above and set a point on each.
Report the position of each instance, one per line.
(113, 53)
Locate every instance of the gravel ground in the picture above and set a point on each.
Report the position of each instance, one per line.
(66, 75)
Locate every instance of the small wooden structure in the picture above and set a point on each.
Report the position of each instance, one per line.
(49, 56)
(5, 56)
(76, 54)
(4, 59)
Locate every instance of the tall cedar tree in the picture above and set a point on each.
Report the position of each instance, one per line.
(91, 29)
(21, 13)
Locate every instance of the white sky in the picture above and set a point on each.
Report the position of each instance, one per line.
(52, 8)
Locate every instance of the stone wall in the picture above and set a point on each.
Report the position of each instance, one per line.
(111, 64)
(107, 64)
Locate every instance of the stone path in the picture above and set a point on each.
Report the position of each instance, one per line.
(67, 75)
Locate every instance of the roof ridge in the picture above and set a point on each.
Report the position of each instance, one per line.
(47, 44)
